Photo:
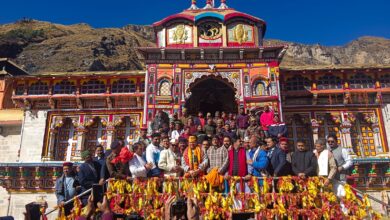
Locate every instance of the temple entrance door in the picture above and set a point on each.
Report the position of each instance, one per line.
(211, 95)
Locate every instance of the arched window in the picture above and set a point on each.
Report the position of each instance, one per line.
(93, 86)
(329, 82)
(142, 86)
(123, 86)
(19, 89)
(385, 81)
(297, 83)
(164, 88)
(361, 81)
(38, 88)
(64, 87)
(259, 88)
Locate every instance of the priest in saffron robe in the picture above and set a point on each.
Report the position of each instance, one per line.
(194, 161)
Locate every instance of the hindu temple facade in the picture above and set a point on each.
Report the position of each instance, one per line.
(205, 59)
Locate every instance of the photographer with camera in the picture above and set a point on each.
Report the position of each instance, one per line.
(176, 209)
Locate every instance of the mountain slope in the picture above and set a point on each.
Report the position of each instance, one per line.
(46, 47)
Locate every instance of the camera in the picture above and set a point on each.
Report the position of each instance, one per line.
(179, 208)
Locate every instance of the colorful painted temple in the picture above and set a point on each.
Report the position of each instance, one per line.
(206, 59)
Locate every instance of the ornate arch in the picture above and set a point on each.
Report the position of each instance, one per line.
(231, 79)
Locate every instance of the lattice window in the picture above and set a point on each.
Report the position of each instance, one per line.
(329, 82)
(64, 87)
(297, 83)
(38, 88)
(96, 135)
(299, 131)
(19, 90)
(124, 86)
(362, 137)
(66, 142)
(259, 88)
(329, 127)
(125, 131)
(93, 87)
(385, 81)
(164, 88)
(361, 81)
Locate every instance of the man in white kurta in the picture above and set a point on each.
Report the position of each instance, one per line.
(138, 166)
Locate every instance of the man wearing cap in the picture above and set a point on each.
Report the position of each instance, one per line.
(66, 187)
(89, 173)
(153, 155)
(253, 129)
(242, 123)
(116, 170)
(193, 160)
(143, 137)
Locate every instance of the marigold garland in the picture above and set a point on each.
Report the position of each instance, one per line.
(294, 197)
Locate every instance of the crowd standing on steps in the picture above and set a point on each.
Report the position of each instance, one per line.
(219, 147)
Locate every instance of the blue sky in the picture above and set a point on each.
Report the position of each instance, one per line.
(332, 22)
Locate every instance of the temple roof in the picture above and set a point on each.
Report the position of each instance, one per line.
(9, 67)
(99, 73)
(221, 14)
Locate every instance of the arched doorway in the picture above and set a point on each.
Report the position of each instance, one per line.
(210, 95)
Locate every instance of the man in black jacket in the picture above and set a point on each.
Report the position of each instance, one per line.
(89, 174)
(304, 161)
(276, 157)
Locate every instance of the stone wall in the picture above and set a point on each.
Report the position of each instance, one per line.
(14, 203)
(9, 143)
(33, 136)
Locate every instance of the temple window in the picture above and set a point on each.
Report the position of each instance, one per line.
(96, 135)
(93, 87)
(361, 81)
(297, 83)
(66, 139)
(64, 87)
(385, 81)
(124, 86)
(299, 130)
(328, 127)
(329, 82)
(259, 88)
(362, 137)
(38, 88)
(125, 131)
(19, 90)
(164, 88)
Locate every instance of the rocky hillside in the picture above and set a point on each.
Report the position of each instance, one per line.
(45, 47)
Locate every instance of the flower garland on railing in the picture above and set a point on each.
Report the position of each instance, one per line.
(287, 197)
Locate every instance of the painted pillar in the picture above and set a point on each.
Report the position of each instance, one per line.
(345, 127)
(80, 131)
(110, 131)
(315, 126)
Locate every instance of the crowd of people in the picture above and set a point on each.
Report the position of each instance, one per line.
(226, 145)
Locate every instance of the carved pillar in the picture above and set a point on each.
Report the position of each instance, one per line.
(57, 122)
(345, 127)
(315, 126)
(110, 131)
(80, 131)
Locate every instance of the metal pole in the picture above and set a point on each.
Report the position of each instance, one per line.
(70, 200)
